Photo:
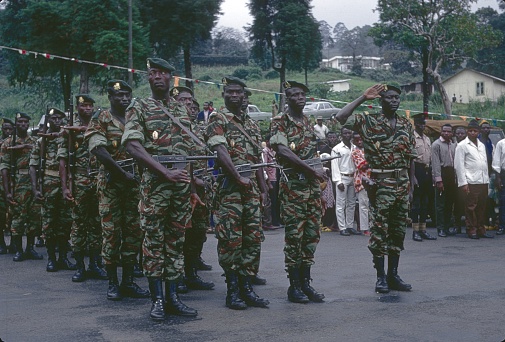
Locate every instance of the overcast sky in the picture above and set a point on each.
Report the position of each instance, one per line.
(351, 12)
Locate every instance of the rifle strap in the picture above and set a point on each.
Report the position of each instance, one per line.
(178, 123)
(242, 130)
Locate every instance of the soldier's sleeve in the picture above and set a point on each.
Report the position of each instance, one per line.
(412, 144)
(62, 147)
(6, 156)
(96, 132)
(134, 130)
(214, 133)
(278, 132)
(35, 154)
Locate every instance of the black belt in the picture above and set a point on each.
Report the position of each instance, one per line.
(390, 174)
(347, 174)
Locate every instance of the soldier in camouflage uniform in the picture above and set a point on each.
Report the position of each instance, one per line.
(196, 235)
(118, 192)
(17, 154)
(166, 194)
(56, 219)
(294, 141)
(86, 228)
(389, 146)
(7, 127)
(238, 198)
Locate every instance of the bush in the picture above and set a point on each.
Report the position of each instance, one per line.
(241, 73)
(272, 75)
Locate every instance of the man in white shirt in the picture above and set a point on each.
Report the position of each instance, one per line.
(320, 129)
(470, 162)
(342, 173)
(499, 168)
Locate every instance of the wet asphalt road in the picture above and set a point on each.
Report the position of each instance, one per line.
(458, 295)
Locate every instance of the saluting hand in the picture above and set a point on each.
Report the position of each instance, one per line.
(373, 92)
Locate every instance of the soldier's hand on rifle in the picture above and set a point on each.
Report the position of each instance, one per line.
(245, 182)
(264, 199)
(176, 176)
(319, 174)
(199, 182)
(195, 200)
(10, 199)
(67, 195)
(38, 196)
(373, 92)
(50, 136)
(75, 128)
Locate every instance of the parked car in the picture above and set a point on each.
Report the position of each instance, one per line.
(324, 109)
(257, 114)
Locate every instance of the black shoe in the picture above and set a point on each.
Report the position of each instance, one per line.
(257, 280)
(486, 236)
(79, 275)
(353, 231)
(132, 290)
(344, 232)
(233, 300)
(137, 271)
(452, 231)
(181, 286)
(194, 282)
(51, 266)
(442, 233)
(65, 264)
(381, 286)
(201, 265)
(157, 308)
(173, 304)
(40, 242)
(113, 292)
(396, 283)
(307, 289)
(3, 247)
(95, 271)
(426, 236)
(248, 295)
(416, 236)
(500, 231)
(473, 236)
(295, 293)
(31, 254)
(18, 256)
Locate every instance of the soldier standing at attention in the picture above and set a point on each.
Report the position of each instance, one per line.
(389, 145)
(158, 126)
(7, 127)
(236, 139)
(16, 154)
(86, 228)
(294, 141)
(118, 193)
(56, 219)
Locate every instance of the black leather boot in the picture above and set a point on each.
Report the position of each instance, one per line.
(306, 288)
(113, 292)
(156, 289)
(295, 293)
(181, 285)
(393, 279)
(40, 242)
(233, 300)
(257, 280)
(201, 265)
(51, 255)
(63, 262)
(248, 295)
(80, 273)
(128, 287)
(193, 280)
(30, 253)
(137, 270)
(173, 304)
(17, 244)
(94, 271)
(381, 286)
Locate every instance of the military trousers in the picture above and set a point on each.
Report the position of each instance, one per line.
(388, 216)
(118, 209)
(197, 234)
(301, 210)
(165, 213)
(238, 227)
(24, 219)
(56, 214)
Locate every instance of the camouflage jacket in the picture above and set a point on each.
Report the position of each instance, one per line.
(52, 162)
(22, 157)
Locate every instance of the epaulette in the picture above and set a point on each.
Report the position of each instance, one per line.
(97, 113)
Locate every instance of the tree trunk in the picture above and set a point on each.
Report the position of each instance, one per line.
(66, 83)
(425, 85)
(446, 101)
(187, 66)
(84, 80)
(282, 77)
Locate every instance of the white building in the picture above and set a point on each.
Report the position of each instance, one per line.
(339, 85)
(345, 63)
(470, 85)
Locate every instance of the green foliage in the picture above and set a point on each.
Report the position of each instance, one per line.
(272, 74)
(320, 90)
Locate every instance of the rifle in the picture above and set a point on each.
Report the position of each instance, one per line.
(245, 170)
(314, 163)
(42, 153)
(13, 161)
(180, 162)
(71, 148)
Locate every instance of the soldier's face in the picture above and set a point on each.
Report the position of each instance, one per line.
(390, 101)
(120, 99)
(56, 121)
(7, 129)
(185, 98)
(159, 80)
(296, 98)
(85, 109)
(233, 96)
(22, 124)
(194, 110)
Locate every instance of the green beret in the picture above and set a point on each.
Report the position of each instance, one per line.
(294, 84)
(56, 111)
(180, 89)
(20, 115)
(115, 85)
(7, 121)
(158, 63)
(247, 92)
(195, 102)
(233, 80)
(390, 87)
(82, 98)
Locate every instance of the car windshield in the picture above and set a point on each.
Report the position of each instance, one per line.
(310, 106)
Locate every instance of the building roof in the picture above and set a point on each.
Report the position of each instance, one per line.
(477, 72)
(337, 81)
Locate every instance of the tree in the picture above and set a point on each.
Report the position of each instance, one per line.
(229, 41)
(176, 26)
(326, 36)
(447, 31)
(287, 33)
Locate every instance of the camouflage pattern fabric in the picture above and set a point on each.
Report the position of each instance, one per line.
(24, 219)
(238, 213)
(387, 148)
(118, 200)
(300, 200)
(86, 228)
(56, 214)
(165, 210)
(3, 203)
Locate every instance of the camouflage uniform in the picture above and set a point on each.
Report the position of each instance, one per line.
(300, 197)
(23, 218)
(56, 217)
(118, 200)
(238, 212)
(3, 205)
(387, 148)
(165, 210)
(86, 228)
